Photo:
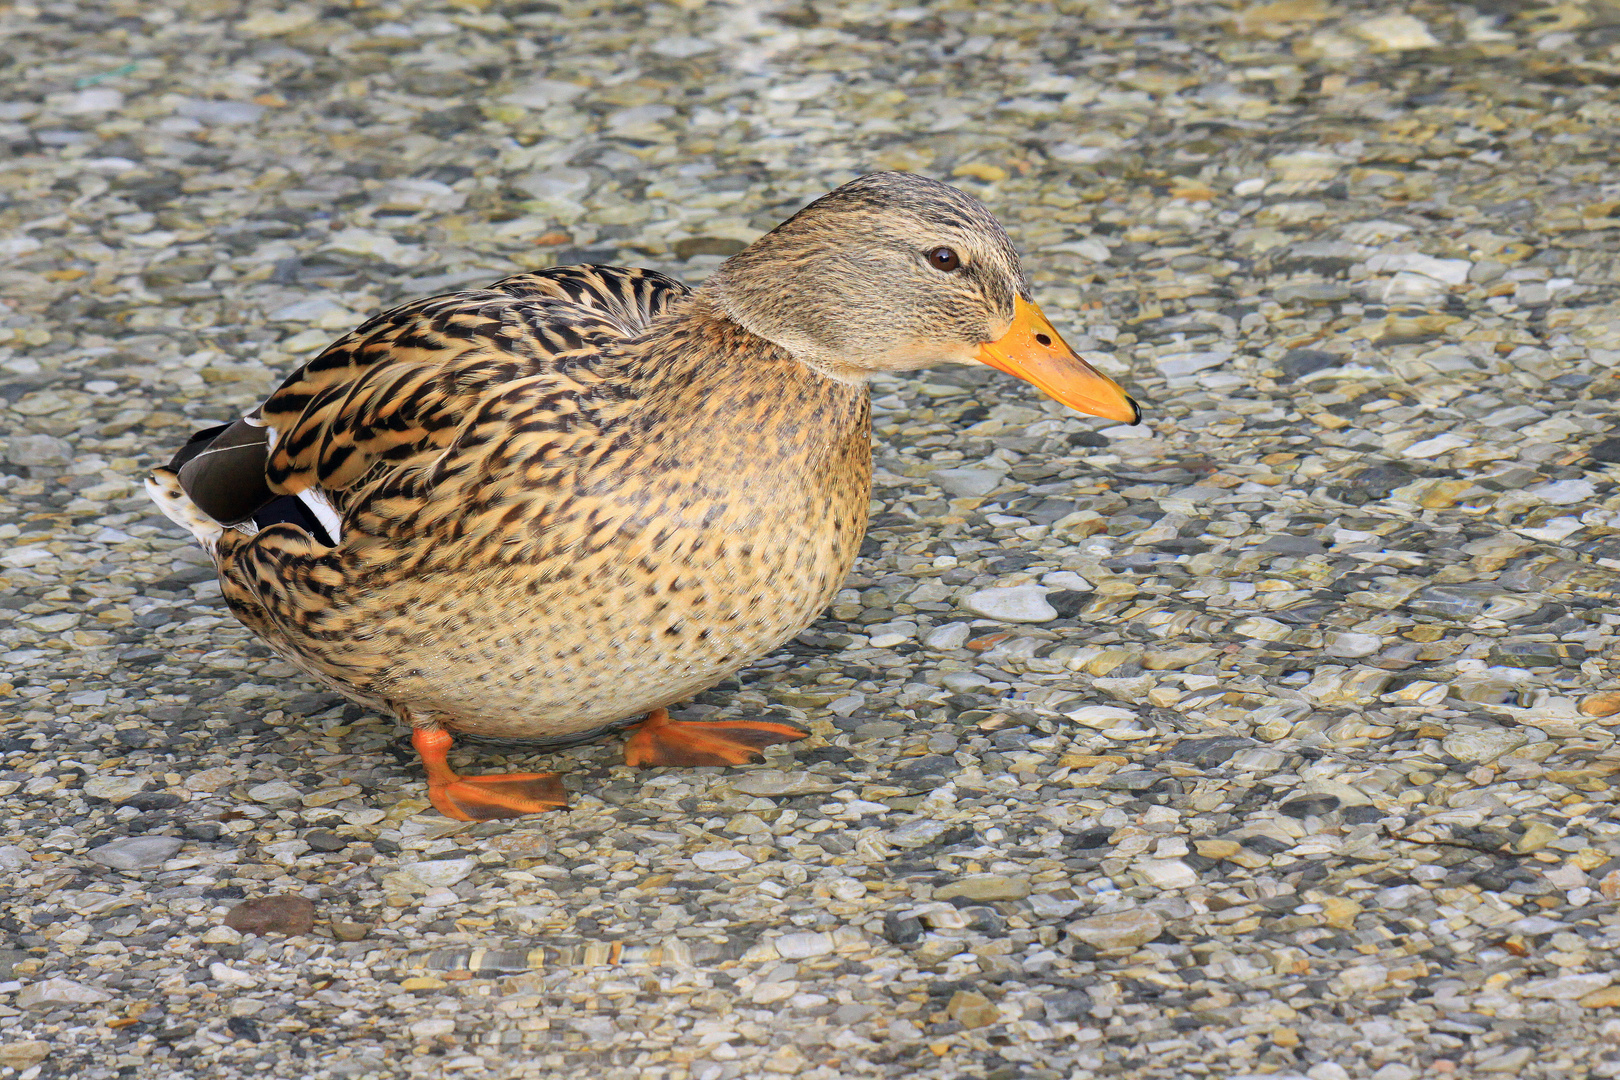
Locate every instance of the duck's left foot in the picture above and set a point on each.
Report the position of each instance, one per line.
(483, 798)
(658, 740)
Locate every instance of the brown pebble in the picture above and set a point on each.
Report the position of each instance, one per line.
(272, 915)
(972, 1010)
(344, 930)
(1609, 886)
(1604, 704)
(1606, 998)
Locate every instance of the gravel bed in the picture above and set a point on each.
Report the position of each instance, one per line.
(1276, 736)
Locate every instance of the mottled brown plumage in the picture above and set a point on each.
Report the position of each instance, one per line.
(579, 495)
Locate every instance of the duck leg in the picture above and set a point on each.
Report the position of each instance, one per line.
(658, 740)
(481, 798)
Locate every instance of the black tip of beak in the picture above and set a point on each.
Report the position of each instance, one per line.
(1136, 410)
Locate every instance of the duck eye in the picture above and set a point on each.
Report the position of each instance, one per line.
(944, 259)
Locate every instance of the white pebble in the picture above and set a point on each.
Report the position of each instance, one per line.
(1016, 604)
(952, 635)
(228, 975)
(718, 861)
(803, 946)
(432, 1027)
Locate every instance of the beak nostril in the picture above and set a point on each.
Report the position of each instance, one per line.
(1044, 340)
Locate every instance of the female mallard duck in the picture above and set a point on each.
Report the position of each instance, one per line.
(547, 509)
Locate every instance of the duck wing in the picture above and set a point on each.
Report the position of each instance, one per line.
(395, 392)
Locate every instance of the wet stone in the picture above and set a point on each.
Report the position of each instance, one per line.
(1537, 653)
(926, 767)
(1293, 545)
(50, 993)
(275, 793)
(769, 782)
(1509, 1061)
(136, 852)
(1537, 835)
(902, 929)
(1463, 601)
(1566, 987)
(1208, 753)
(720, 861)
(918, 833)
(984, 887)
(803, 946)
(439, 873)
(1483, 745)
(965, 483)
(20, 1055)
(36, 450)
(1217, 849)
(1607, 451)
(325, 840)
(272, 915)
(1297, 362)
(1068, 1005)
(1018, 604)
(971, 1009)
(1352, 646)
(114, 789)
(1125, 929)
(949, 636)
(1604, 704)
(1309, 806)
(1167, 873)
(1132, 781)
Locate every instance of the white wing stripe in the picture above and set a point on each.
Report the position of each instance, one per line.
(315, 499)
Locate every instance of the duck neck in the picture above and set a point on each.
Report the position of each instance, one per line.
(700, 369)
(740, 302)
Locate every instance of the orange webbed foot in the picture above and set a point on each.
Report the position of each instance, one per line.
(483, 798)
(658, 740)
(507, 795)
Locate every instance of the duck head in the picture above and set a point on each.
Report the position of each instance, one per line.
(894, 272)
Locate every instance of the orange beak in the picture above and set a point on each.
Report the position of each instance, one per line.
(1031, 350)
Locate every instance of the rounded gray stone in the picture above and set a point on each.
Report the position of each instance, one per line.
(967, 483)
(38, 450)
(274, 792)
(136, 852)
